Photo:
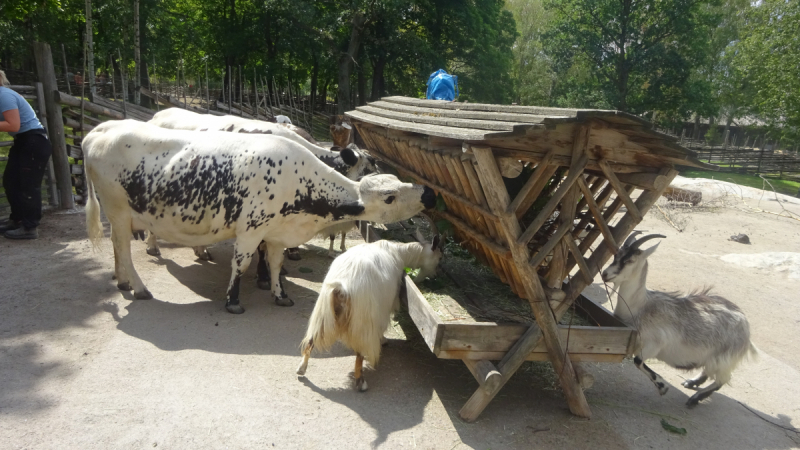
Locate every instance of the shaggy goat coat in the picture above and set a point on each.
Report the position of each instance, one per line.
(361, 291)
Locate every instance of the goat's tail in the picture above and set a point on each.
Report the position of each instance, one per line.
(94, 228)
(331, 313)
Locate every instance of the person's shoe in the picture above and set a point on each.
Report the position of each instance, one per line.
(7, 225)
(22, 233)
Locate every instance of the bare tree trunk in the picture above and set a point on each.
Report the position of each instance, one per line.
(89, 75)
(377, 78)
(137, 61)
(346, 62)
(361, 82)
(314, 77)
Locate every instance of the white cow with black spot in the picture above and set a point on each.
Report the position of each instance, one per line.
(201, 188)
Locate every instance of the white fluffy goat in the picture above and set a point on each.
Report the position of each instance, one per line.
(359, 295)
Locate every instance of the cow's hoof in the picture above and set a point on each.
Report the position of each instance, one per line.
(264, 285)
(144, 295)
(284, 301)
(153, 251)
(205, 256)
(293, 254)
(361, 384)
(124, 286)
(234, 309)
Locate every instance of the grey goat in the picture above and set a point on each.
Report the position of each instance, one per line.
(696, 331)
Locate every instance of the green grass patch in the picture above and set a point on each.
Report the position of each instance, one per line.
(787, 187)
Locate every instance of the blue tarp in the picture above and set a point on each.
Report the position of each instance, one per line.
(442, 86)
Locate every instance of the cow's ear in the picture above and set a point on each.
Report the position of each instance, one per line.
(349, 156)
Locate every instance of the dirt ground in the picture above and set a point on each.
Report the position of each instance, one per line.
(83, 365)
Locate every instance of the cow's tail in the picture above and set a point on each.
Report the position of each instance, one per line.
(94, 228)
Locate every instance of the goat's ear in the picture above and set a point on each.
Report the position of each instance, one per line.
(349, 156)
(650, 251)
(436, 241)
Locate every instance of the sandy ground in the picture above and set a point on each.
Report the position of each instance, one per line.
(82, 365)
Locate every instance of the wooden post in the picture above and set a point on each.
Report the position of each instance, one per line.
(113, 83)
(255, 86)
(83, 96)
(41, 109)
(55, 124)
(230, 97)
(155, 91)
(66, 70)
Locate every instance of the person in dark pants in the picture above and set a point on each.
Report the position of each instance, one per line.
(27, 161)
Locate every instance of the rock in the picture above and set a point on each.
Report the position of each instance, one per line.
(740, 238)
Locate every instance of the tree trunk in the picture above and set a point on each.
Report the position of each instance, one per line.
(362, 84)
(696, 130)
(89, 75)
(323, 94)
(378, 66)
(314, 75)
(346, 62)
(137, 60)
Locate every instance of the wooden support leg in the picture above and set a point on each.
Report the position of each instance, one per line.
(486, 373)
(510, 363)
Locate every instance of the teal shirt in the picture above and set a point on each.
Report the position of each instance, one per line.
(10, 100)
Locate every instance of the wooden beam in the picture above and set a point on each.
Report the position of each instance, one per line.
(498, 198)
(576, 253)
(575, 171)
(644, 180)
(498, 249)
(55, 125)
(620, 189)
(551, 243)
(533, 187)
(69, 100)
(598, 215)
(486, 373)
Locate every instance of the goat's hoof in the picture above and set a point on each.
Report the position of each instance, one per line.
(361, 384)
(663, 390)
(301, 370)
(293, 254)
(153, 251)
(264, 285)
(234, 309)
(692, 402)
(332, 255)
(144, 295)
(284, 301)
(124, 286)
(204, 255)
(691, 384)
(113, 277)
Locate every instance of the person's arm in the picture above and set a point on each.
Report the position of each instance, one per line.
(11, 121)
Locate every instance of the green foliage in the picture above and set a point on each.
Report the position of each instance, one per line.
(767, 57)
(672, 428)
(638, 55)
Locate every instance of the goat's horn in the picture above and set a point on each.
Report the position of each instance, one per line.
(631, 239)
(644, 239)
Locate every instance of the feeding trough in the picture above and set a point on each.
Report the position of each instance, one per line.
(534, 193)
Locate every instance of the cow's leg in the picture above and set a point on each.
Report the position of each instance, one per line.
(152, 245)
(342, 247)
(242, 254)
(126, 274)
(202, 253)
(263, 281)
(275, 258)
(361, 383)
(332, 253)
(301, 370)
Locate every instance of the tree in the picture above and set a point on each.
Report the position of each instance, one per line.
(532, 69)
(768, 58)
(640, 54)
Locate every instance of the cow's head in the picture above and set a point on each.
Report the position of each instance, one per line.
(356, 162)
(386, 199)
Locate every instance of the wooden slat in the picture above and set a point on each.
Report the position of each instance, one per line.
(493, 337)
(598, 215)
(619, 188)
(493, 246)
(551, 243)
(575, 171)
(576, 253)
(466, 134)
(446, 121)
(485, 373)
(535, 356)
(459, 113)
(533, 187)
(441, 104)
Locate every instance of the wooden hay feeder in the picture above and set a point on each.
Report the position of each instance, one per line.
(534, 193)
